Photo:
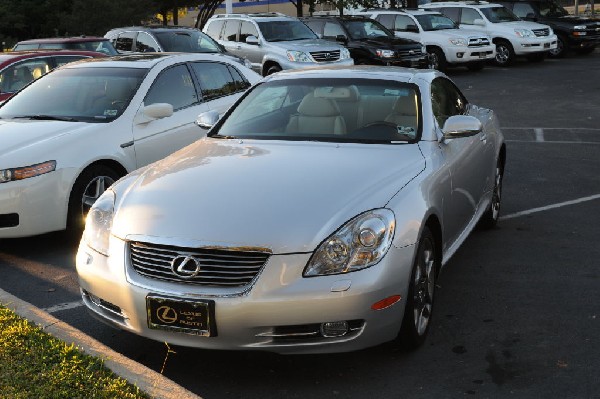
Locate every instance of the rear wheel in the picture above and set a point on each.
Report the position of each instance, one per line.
(90, 185)
(419, 302)
(505, 55)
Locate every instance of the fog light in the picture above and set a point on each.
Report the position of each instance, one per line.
(460, 55)
(334, 329)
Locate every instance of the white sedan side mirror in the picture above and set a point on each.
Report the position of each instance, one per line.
(152, 112)
(208, 119)
(461, 126)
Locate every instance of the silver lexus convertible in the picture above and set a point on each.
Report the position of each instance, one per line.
(314, 217)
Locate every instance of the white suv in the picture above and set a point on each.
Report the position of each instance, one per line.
(272, 42)
(446, 43)
(511, 35)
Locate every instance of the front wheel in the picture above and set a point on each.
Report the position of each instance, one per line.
(561, 48)
(273, 69)
(490, 218)
(505, 55)
(437, 60)
(88, 187)
(419, 302)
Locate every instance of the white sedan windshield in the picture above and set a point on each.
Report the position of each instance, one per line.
(76, 94)
(371, 111)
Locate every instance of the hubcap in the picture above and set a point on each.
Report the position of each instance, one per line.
(93, 191)
(502, 54)
(424, 285)
(559, 48)
(434, 61)
(497, 194)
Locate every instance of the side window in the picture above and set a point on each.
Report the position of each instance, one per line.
(522, 10)
(173, 86)
(241, 84)
(332, 30)
(17, 76)
(469, 16)
(315, 26)
(215, 79)
(247, 29)
(452, 12)
(145, 43)
(214, 29)
(125, 42)
(386, 20)
(231, 30)
(446, 100)
(402, 22)
(65, 59)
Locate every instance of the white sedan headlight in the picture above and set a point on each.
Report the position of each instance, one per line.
(298, 56)
(524, 33)
(26, 172)
(358, 244)
(99, 222)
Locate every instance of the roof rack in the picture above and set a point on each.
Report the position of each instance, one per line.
(250, 15)
(468, 2)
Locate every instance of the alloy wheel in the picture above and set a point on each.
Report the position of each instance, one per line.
(424, 286)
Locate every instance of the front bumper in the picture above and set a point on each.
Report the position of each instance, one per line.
(34, 206)
(420, 61)
(464, 54)
(287, 64)
(272, 314)
(534, 45)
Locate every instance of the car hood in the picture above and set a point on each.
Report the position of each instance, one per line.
(309, 45)
(524, 25)
(389, 42)
(446, 34)
(21, 135)
(574, 19)
(284, 196)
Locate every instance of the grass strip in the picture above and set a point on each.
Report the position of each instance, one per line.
(34, 364)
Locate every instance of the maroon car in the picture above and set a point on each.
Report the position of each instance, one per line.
(85, 43)
(18, 68)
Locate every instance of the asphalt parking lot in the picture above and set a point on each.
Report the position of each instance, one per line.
(517, 311)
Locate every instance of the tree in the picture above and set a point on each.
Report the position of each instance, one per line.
(206, 9)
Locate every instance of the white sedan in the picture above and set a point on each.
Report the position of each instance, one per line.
(314, 217)
(71, 134)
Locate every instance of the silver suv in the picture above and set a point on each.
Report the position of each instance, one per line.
(272, 42)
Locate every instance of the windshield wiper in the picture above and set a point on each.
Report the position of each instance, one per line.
(218, 136)
(46, 118)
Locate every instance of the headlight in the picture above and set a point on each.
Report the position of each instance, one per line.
(344, 53)
(423, 49)
(99, 222)
(385, 53)
(524, 33)
(26, 172)
(298, 56)
(358, 244)
(458, 41)
(580, 27)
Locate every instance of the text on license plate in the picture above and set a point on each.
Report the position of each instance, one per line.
(187, 316)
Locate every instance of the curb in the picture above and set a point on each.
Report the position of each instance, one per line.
(149, 381)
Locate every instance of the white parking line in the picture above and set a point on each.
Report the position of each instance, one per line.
(63, 306)
(539, 134)
(545, 208)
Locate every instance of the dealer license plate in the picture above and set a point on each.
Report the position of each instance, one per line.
(546, 45)
(187, 316)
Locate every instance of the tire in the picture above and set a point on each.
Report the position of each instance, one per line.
(562, 47)
(273, 69)
(537, 57)
(419, 302)
(90, 184)
(489, 219)
(437, 60)
(505, 55)
(475, 66)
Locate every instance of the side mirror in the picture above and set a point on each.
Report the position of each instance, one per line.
(207, 120)
(252, 40)
(479, 22)
(154, 111)
(461, 126)
(412, 28)
(530, 17)
(341, 39)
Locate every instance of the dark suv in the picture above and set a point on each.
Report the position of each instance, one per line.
(77, 43)
(577, 33)
(369, 42)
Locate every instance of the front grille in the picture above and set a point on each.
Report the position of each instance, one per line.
(593, 30)
(541, 32)
(326, 56)
(409, 53)
(216, 267)
(478, 42)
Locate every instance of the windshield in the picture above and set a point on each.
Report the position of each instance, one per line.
(280, 31)
(551, 9)
(431, 22)
(339, 110)
(187, 42)
(360, 30)
(499, 14)
(76, 94)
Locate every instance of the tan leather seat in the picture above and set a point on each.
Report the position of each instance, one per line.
(317, 115)
(404, 112)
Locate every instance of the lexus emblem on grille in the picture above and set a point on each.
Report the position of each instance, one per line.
(411, 52)
(185, 266)
(327, 55)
